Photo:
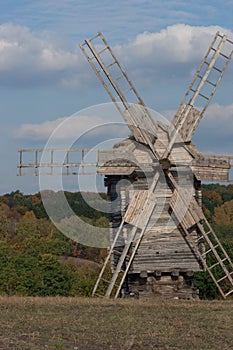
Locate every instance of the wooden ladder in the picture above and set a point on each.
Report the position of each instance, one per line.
(220, 267)
(109, 70)
(201, 89)
(118, 85)
(147, 204)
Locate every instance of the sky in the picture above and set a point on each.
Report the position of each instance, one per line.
(44, 77)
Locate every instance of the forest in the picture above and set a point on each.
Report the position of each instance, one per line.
(38, 260)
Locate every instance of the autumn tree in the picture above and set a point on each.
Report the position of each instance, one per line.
(223, 219)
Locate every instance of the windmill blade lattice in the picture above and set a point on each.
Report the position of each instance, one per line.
(118, 86)
(202, 88)
(194, 216)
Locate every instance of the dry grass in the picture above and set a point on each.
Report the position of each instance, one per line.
(93, 324)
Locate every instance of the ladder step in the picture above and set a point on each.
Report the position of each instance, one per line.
(126, 91)
(203, 96)
(206, 81)
(222, 278)
(230, 41)
(220, 35)
(119, 78)
(211, 83)
(120, 253)
(94, 37)
(222, 54)
(217, 263)
(214, 265)
(207, 63)
(104, 280)
(228, 293)
(210, 250)
(111, 64)
(101, 51)
(217, 69)
(207, 233)
(99, 295)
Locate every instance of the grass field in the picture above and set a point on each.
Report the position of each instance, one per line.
(93, 324)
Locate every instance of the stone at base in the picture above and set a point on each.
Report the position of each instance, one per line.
(178, 285)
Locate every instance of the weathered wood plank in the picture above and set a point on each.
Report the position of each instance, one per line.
(188, 117)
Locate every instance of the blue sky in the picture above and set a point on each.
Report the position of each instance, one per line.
(44, 78)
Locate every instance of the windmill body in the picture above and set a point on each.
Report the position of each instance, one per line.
(158, 233)
(164, 263)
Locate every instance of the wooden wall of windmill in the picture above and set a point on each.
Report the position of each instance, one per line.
(164, 264)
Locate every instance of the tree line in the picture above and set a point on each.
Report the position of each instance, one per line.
(38, 260)
(35, 258)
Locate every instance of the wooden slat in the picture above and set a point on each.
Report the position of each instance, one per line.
(144, 126)
(116, 157)
(179, 208)
(135, 206)
(189, 118)
(211, 168)
(211, 174)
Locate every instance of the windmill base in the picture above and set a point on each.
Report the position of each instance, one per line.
(175, 284)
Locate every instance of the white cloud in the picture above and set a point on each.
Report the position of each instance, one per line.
(219, 118)
(38, 132)
(31, 59)
(214, 134)
(62, 128)
(28, 58)
(176, 50)
(98, 121)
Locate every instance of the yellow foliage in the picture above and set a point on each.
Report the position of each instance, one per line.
(224, 214)
(30, 214)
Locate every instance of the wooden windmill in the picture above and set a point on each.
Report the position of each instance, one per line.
(158, 232)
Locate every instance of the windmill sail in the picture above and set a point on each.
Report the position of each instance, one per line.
(202, 89)
(120, 88)
(194, 216)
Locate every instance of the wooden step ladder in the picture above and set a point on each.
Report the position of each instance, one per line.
(109, 70)
(147, 204)
(220, 267)
(121, 90)
(201, 89)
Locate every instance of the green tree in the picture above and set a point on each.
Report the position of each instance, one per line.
(54, 277)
